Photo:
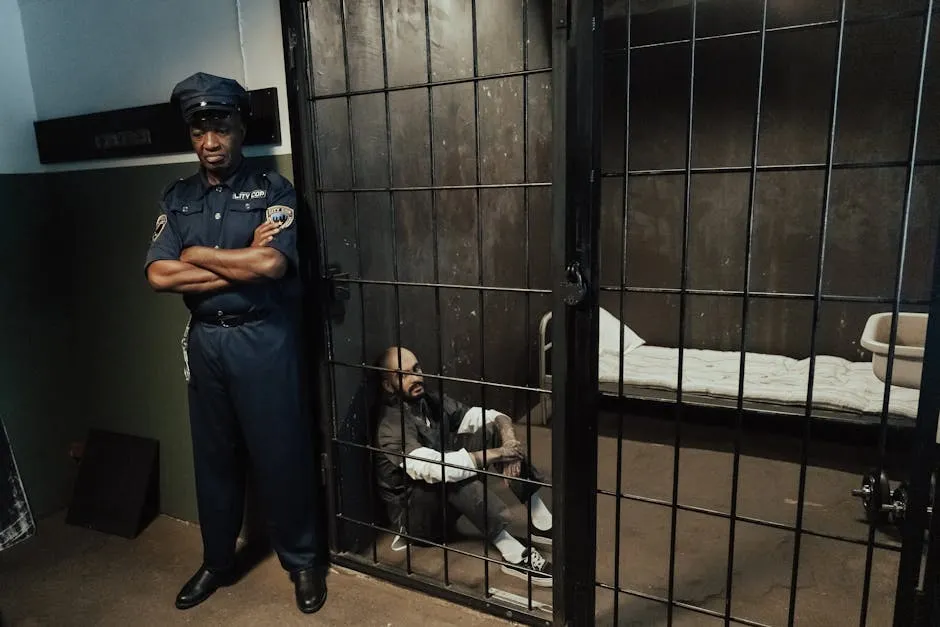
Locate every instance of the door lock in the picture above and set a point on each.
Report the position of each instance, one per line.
(574, 289)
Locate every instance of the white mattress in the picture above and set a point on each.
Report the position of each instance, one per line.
(839, 384)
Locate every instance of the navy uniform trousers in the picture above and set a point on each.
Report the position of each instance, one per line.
(245, 406)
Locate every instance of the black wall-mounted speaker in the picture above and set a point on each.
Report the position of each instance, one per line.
(150, 130)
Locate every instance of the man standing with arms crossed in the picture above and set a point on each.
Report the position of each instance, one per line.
(226, 240)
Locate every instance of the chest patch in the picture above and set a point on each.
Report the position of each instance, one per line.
(252, 195)
(279, 214)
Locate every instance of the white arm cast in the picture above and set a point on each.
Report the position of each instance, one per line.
(428, 468)
(474, 420)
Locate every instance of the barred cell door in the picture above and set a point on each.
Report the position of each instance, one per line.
(768, 217)
(440, 231)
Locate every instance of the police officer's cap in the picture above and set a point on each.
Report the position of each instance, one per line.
(205, 92)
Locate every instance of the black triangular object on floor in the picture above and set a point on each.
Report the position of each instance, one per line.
(117, 489)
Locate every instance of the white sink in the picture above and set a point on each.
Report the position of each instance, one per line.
(908, 349)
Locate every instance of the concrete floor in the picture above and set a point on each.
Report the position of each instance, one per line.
(69, 576)
(831, 572)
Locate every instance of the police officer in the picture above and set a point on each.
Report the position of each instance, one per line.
(226, 240)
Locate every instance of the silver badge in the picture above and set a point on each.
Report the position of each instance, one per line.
(281, 215)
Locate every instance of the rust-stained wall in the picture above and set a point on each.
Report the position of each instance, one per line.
(482, 235)
(876, 106)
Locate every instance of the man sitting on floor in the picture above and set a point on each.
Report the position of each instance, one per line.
(427, 429)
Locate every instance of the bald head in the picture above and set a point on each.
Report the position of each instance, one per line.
(409, 384)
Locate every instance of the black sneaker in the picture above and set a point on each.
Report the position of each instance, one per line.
(540, 537)
(532, 559)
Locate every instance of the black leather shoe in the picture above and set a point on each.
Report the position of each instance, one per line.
(201, 586)
(309, 589)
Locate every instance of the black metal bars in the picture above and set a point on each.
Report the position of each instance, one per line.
(435, 261)
(576, 254)
(747, 295)
(358, 230)
(760, 522)
(745, 302)
(393, 192)
(774, 167)
(775, 29)
(899, 281)
(476, 78)
(682, 605)
(622, 332)
(480, 259)
(817, 301)
(924, 460)
(296, 48)
(684, 278)
(528, 308)
(924, 456)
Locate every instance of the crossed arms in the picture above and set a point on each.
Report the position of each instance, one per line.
(203, 269)
(423, 462)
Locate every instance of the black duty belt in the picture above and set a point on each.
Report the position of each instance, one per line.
(221, 319)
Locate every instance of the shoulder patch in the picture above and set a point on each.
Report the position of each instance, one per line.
(158, 229)
(279, 214)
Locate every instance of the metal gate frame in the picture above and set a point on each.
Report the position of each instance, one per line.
(575, 211)
(577, 65)
(917, 599)
(577, 46)
(918, 584)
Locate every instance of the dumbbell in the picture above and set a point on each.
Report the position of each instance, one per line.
(875, 493)
(883, 504)
(897, 508)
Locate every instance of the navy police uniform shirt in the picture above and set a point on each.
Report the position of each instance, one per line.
(195, 213)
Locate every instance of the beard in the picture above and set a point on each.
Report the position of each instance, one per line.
(413, 394)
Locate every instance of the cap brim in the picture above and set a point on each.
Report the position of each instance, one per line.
(209, 108)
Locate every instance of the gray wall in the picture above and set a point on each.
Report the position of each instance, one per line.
(127, 347)
(88, 344)
(477, 234)
(38, 381)
(878, 85)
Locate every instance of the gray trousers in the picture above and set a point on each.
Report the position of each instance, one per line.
(428, 504)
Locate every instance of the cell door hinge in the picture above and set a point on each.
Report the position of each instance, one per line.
(560, 11)
(292, 46)
(337, 292)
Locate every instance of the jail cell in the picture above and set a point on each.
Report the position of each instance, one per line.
(768, 203)
(432, 132)
(766, 171)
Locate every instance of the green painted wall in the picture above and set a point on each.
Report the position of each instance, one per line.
(104, 353)
(38, 382)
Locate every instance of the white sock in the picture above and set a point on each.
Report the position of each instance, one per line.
(541, 517)
(510, 548)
